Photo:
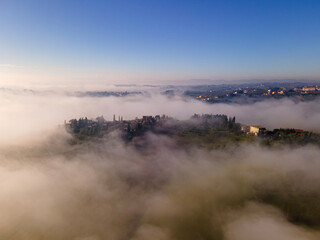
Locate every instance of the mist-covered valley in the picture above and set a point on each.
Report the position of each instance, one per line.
(154, 187)
(159, 120)
(30, 114)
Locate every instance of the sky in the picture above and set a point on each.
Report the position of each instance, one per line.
(98, 42)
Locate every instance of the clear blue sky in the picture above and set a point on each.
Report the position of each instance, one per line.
(137, 40)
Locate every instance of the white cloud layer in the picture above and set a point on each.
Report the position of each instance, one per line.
(112, 190)
(27, 114)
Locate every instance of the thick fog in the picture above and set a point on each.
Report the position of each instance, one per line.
(51, 189)
(110, 190)
(25, 114)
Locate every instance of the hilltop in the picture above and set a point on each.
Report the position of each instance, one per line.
(206, 130)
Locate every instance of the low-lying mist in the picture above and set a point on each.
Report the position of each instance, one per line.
(108, 189)
(112, 190)
(26, 115)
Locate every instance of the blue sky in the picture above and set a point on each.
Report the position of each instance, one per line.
(90, 41)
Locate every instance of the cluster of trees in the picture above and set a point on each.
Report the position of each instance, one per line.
(290, 136)
(85, 127)
(206, 129)
(217, 122)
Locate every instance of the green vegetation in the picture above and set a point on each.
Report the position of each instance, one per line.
(289, 136)
(84, 128)
(205, 131)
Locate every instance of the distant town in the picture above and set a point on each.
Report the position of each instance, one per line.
(258, 92)
(245, 93)
(228, 93)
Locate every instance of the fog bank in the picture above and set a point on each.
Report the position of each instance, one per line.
(113, 190)
(110, 190)
(25, 114)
